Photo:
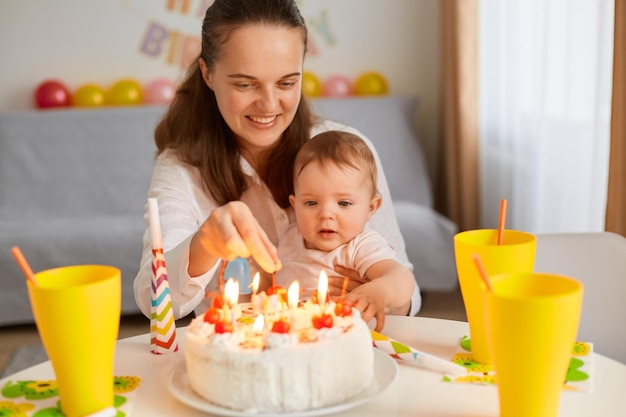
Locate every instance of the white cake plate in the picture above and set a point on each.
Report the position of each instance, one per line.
(385, 372)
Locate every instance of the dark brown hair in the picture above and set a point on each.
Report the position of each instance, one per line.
(194, 127)
(341, 148)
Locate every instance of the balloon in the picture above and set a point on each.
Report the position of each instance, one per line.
(371, 83)
(311, 86)
(337, 86)
(159, 91)
(88, 95)
(124, 93)
(52, 93)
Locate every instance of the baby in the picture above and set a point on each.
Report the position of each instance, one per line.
(334, 197)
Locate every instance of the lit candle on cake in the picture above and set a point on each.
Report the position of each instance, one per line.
(322, 289)
(322, 319)
(259, 324)
(293, 295)
(231, 292)
(257, 300)
(231, 296)
(255, 283)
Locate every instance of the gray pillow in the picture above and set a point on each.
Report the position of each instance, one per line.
(387, 122)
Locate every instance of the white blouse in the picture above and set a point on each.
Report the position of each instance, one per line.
(184, 206)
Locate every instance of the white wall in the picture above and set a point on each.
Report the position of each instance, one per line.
(102, 41)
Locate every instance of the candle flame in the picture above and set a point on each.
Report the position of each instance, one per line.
(231, 292)
(293, 294)
(255, 283)
(322, 288)
(259, 323)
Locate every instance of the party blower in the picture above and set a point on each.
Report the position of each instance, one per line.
(409, 354)
(162, 323)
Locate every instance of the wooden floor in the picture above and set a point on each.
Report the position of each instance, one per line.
(446, 305)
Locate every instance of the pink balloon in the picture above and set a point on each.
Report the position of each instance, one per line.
(52, 93)
(159, 91)
(337, 86)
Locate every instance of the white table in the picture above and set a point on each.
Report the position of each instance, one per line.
(415, 392)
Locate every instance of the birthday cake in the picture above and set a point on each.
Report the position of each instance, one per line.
(271, 357)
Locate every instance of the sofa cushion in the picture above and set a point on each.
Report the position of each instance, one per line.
(387, 121)
(76, 163)
(428, 237)
(52, 242)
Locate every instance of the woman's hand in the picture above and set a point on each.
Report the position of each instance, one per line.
(335, 284)
(231, 231)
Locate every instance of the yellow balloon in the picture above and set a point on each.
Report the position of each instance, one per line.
(371, 83)
(124, 93)
(88, 95)
(311, 85)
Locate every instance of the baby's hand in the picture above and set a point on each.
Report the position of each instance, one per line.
(371, 304)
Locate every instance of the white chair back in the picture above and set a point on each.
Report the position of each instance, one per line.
(598, 260)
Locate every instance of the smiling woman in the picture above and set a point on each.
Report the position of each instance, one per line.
(224, 146)
(257, 101)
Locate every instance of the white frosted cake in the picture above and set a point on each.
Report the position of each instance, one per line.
(311, 358)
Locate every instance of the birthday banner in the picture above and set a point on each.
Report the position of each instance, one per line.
(169, 42)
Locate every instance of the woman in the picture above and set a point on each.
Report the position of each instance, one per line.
(226, 149)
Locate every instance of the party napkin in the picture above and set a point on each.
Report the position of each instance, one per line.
(41, 398)
(578, 376)
(406, 353)
(162, 323)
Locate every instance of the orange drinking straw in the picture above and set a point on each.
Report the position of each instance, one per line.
(502, 220)
(21, 261)
(481, 270)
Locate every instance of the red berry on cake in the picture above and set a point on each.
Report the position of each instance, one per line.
(212, 315)
(223, 327)
(217, 301)
(278, 290)
(325, 320)
(343, 309)
(281, 326)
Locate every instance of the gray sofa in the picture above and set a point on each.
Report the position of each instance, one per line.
(73, 187)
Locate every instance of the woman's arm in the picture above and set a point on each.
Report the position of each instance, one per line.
(197, 234)
(183, 206)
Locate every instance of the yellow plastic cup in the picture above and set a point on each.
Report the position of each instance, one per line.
(515, 254)
(532, 323)
(77, 312)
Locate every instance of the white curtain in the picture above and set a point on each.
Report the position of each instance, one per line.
(545, 69)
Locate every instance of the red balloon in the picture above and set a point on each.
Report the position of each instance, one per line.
(52, 93)
(337, 86)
